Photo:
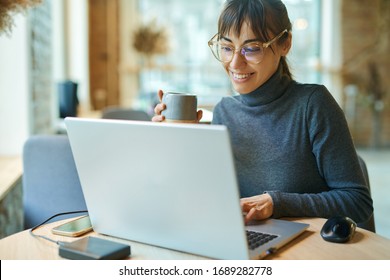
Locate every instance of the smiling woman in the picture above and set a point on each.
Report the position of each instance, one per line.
(284, 132)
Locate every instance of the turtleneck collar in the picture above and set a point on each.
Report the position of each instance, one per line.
(268, 92)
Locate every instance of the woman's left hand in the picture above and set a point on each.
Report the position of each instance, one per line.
(257, 207)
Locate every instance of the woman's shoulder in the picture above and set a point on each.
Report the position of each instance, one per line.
(308, 89)
(318, 101)
(315, 93)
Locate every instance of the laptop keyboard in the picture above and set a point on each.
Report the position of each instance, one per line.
(256, 239)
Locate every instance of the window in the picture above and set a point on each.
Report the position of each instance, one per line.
(305, 16)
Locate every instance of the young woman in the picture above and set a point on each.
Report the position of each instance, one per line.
(293, 150)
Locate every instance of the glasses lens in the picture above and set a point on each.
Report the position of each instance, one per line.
(225, 52)
(253, 52)
(222, 52)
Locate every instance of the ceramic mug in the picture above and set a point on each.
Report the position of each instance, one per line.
(180, 107)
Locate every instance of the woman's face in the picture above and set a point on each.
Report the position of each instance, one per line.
(246, 77)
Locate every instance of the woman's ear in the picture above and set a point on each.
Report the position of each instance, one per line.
(286, 45)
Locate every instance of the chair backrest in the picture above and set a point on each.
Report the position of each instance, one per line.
(51, 183)
(370, 223)
(125, 114)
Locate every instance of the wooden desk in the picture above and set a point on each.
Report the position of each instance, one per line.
(309, 246)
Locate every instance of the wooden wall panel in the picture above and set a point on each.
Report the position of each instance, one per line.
(103, 53)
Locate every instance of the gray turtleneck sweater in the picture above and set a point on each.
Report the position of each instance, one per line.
(292, 141)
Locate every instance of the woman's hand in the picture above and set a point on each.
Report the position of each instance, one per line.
(161, 107)
(257, 207)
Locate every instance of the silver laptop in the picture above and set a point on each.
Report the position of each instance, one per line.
(169, 185)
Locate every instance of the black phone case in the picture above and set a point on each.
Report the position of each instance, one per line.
(93, 248)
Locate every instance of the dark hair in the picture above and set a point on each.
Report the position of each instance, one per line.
(262, 16)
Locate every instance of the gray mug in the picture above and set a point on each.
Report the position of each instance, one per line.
(180, 107)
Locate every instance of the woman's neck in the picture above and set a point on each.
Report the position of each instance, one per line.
(271, 90)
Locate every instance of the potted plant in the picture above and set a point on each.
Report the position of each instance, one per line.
(8, 8)
(150, 40)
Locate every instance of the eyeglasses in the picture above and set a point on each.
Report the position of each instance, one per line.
(253, 52)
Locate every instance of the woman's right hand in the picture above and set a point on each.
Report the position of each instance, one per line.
(159, 108)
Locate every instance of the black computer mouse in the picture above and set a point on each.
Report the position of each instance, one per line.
(338, 229)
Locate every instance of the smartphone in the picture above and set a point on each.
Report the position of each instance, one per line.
(93, 248)
(74, 228)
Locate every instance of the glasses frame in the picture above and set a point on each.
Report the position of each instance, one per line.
(265, 45)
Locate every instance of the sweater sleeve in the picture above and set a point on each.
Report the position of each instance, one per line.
(337, 163)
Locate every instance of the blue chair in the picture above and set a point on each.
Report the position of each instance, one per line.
(51, 183)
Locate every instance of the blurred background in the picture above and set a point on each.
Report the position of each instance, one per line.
(78, 57)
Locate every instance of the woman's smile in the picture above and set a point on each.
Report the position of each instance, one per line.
(240, 77)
